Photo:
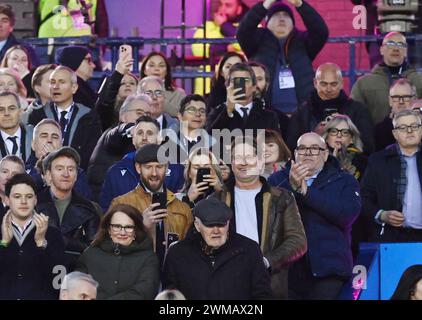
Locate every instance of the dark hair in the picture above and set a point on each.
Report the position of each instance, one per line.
(218, 77)
(20, 178)
(4, 62)
(148, 119)
(67, 152)
(8, 11)
(14, 95)
(273, 136)
(257, 64)
(407, 283)
(39, 74)
(131, 212)
(242, 67)
(189, 98)
(168, 80)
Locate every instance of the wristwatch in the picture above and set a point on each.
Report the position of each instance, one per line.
(44, 244)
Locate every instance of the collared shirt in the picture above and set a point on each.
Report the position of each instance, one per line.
(412, 202)
(19, 233)
(2, 44)
(238, 107)
(69, 111)
(160, 121)
(311, 179)
(9, 143)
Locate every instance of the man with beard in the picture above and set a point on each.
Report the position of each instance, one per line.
(175, 219)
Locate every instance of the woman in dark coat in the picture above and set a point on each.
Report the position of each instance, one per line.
(121, 257)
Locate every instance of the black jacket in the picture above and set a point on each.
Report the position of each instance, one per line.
(301, 48)
(85, 129)
(384, 134)
(80, 220)
(85, 95)
(310, 113)
(235, 271)
(105, 105)
(379, 187)
(259, 118)
(26, 272)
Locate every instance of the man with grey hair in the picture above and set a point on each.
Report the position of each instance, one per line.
(80, 126)
(328, 98)
(401, 96)
(391, 186)
(329, 202)
(154, 87)
(78, 286)
(116, 142)
(15, 138)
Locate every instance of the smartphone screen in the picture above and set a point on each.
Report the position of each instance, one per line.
(161, 198)
(200, 173)
(239, 82)
(171, 238)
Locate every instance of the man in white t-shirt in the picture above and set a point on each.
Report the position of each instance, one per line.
(264, 214)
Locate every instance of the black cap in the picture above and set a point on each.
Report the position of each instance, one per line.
(278, 6)
(212, 212)
(71, 56)
(67, 152)
(147, 153)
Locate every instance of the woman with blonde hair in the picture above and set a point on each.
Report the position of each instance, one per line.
(198, 186)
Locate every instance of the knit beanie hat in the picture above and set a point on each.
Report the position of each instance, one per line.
(279, 6)
(71, 56)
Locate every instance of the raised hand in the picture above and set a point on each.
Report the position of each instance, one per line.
(152, 216)
(195, 190)
(6, 228)
(296, 3)
(297, 175)
(41, 225)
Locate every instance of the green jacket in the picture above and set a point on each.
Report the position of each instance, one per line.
(372, 89)
(55, 22)
(123, 273)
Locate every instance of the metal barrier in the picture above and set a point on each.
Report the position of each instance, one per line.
(138, 42)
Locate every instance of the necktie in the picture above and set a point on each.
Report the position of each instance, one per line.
(63, 121)
(15, 144)
(245, 114)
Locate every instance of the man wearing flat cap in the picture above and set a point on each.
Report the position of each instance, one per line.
(80, 60)
(177, 216)
(211, 264)
(285, 51)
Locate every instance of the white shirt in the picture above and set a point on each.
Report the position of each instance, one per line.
(244, 206)
(2, 44)
(68, 114)
(238, 106)
(160, 121)
(412, 202)
(9, 143)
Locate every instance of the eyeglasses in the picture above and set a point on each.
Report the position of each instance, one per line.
(193, 110)
(156, 93)
(119, 228)
(404, 128)
(404, 98)
(314, 150)
(343, 132)
(392, 44)
(249, 159)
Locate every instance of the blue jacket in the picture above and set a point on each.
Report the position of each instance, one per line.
(122, 178)
(328, 211)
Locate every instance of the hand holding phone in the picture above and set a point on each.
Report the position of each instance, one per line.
(200, 173)
(239, 88)
(125, 52)
(161, 199)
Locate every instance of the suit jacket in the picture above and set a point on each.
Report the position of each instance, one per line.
(25, 143)
(85, 128)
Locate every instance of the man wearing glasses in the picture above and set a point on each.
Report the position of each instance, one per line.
(153, 87)
(401, 97)
(391, 186)
(329, 202)
(372, 89)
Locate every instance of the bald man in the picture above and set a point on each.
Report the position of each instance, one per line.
(327, 98)
(329, 202)
(372, 89)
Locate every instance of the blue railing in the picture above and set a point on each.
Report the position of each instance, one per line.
(137, 43)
